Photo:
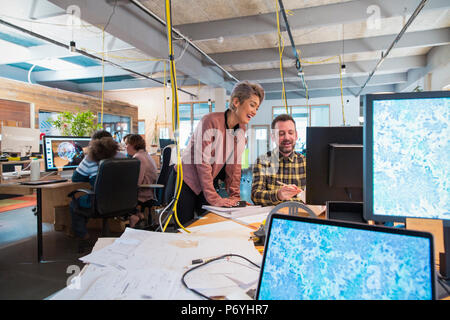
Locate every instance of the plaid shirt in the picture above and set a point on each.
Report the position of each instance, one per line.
(269, 169)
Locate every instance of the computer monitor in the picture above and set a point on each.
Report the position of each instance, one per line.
(406, 159)
(318, 259)
(19, 140)
(165, 142)
(345, 211)
(334, 164)
(64, 153)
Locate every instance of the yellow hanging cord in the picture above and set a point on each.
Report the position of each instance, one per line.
(174, 114)
(280, 51)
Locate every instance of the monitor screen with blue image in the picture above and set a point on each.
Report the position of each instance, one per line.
(406, 166)
(316, 259)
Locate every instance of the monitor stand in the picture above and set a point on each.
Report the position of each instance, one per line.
(66, 174)
(444, 257)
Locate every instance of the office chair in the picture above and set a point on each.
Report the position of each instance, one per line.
(115, 191)
(164, 193)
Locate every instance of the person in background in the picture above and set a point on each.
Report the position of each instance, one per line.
(135, 146)
(102, 146)
(87, 169)
(215, 149)
(123, 145)
(271, 184)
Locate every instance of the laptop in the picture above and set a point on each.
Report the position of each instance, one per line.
(316, 259)
(42, 182)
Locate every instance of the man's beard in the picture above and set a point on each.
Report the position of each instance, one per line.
(286, 149)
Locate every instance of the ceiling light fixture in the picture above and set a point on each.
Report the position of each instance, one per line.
(72, 46)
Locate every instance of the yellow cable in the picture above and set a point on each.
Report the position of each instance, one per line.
(174, 104)
(280, 51)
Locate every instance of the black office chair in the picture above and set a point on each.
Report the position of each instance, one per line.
(164, 191)
(115, 191)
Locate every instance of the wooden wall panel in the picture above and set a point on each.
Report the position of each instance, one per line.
(14, 113)
(50, 99)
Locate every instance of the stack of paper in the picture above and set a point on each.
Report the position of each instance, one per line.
(238, 212)
(149, 265)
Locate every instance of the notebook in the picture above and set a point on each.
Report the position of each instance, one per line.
(317, 259)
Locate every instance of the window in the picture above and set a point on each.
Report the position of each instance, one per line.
(304, 116)
(190, 115)
(141, 127)
(45, 125)
(118, 126)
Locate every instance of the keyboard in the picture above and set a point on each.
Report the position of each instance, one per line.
(41, 182)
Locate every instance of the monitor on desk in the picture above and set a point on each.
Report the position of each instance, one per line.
(334, 164)
(64, 153)
(165, 142)
(19, 140)
(406, 160)
(407, 153)
(318, 259)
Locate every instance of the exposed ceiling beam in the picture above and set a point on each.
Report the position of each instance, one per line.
(329, 92)
(339, 13)
(148, 35)
(436, 37)
(133, 84)
(147, 67)
(395, 78)
(357, 68)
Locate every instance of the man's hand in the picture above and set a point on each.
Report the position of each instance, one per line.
(287, 192)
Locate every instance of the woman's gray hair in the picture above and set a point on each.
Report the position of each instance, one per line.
(244, 90)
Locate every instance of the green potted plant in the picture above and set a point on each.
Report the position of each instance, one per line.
(80, 124)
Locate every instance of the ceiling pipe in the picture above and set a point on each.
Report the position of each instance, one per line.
(397, 38)
(154, 16)
(57, 43)
(298, 65)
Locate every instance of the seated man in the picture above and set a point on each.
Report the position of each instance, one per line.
(280, 174)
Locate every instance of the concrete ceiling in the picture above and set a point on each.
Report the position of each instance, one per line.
(229, 40)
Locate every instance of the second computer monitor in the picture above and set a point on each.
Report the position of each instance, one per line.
(334, 164)
(64, 153)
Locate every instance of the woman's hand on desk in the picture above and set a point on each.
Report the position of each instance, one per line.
(227, 202)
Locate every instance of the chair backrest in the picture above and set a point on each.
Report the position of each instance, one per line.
(163, 195)
(165, 166)
(170, 185)
(116, 187)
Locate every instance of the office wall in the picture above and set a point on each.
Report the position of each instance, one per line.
(56, 100)
(153, 104)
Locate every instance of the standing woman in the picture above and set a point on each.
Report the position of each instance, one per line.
(215, 149)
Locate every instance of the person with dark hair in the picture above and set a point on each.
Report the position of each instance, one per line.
(147, 175)
(101, 147)
(215, 149)
(280, 174)
(88, 168)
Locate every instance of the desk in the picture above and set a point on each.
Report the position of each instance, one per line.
(48, 196)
